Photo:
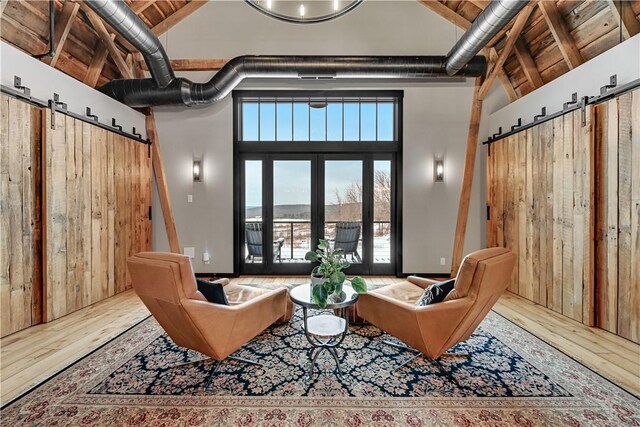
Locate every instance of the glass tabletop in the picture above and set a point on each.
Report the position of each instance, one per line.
(301, 295)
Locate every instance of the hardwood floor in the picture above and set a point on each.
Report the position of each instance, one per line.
(31, 356)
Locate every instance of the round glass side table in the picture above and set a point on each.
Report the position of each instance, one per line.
(324, 332)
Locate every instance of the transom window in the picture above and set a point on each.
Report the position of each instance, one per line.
(317, 119)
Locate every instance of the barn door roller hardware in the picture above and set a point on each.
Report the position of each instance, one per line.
(607, 92)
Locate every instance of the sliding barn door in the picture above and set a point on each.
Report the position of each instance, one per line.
(540, 198)
(20, 282)
(618, 215)
(97, 198)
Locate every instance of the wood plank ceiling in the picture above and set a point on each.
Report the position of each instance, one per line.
(555, 37)
(86, 48)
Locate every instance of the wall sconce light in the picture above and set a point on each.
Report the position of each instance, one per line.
(438, 170)
(197, 171)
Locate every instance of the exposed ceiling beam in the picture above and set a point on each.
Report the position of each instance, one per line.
(140, 6)
(64, 20)
(624, 14)
(563, 38)
(97, 63)
(528, 65)
(504, 79)
(447, 13)
(107, 39)
(174, 18)
(193, 64)
(465, 24)
(513, 36)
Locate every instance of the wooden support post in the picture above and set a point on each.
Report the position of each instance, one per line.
(467, 179)
(161, 183)
(64, 20)
(623, 14)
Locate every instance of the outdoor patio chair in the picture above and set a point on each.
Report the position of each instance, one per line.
(253, 238)
(347, 238)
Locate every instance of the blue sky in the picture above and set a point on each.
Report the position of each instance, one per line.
(297, 121)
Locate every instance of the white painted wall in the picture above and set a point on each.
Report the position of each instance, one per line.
(436, 118)
(44, 80)
(622, 60)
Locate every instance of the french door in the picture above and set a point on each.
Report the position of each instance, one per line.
(289, 201)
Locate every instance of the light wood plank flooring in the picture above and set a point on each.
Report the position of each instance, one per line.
(31, 356)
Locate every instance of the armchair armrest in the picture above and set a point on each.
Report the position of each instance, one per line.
(224, 281)
(227, 328)
(423, 282)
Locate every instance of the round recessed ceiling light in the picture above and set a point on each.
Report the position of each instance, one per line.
(304, 11)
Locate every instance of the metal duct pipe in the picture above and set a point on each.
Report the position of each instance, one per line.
(145, 92)
(131, 27)
(496, 15)
(165, 89)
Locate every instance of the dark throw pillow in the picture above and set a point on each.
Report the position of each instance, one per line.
(213, 292)
(436, 293)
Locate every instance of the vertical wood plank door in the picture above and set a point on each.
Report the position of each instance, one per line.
(20, 275)
(541, 204)
(90, 217)
(618, 215)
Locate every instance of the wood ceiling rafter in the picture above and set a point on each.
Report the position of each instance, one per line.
(536, 59)
(63, 23)
(463, 23)
(563, 38)
(80, 44)
(107, 39)
(623, 11)
(514, 35)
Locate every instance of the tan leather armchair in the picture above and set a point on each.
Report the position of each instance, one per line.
(432, 330)
(166, 285)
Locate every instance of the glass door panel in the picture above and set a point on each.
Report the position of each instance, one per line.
(382, 211)
(253, 224)
(343, 193)
(291, 210)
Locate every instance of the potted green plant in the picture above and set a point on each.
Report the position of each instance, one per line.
(327, 278)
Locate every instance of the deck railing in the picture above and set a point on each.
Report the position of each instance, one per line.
(297, 233)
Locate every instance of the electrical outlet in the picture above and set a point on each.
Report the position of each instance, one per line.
(189, 251)
(206, 258)
(189, 198)
(443, 261)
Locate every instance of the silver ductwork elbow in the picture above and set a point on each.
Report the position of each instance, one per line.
(136, 32)
(496, 15)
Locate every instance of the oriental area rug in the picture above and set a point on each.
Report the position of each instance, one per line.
(505, 377)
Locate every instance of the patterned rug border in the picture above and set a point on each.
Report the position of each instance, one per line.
(71, 365)
(629, 392)
(435, 402)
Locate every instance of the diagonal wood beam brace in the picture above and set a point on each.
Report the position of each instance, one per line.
(514, 35)
(467, 179)
(561, 35)
(465, 24)
(161, 183)
(97, 63)
(178, 16)
(528, 65)
(64, 20)
(106, 38)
